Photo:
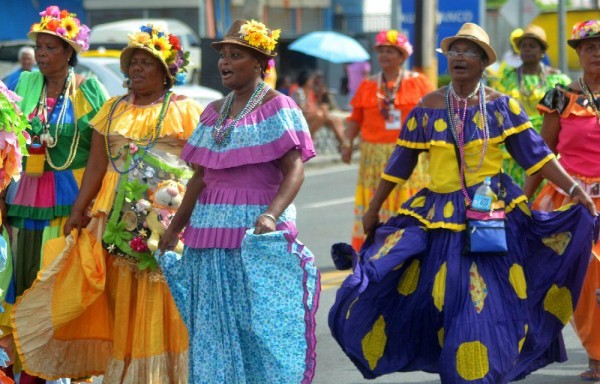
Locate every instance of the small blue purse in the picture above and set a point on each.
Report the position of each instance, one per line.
(486, 233)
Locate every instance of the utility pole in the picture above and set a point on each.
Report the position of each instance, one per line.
(562, 24)
(396, 12)
(425, 60)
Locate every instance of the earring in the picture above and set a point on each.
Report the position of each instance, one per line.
(256, 69)
(165, 81)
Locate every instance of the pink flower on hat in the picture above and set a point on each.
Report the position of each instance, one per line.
(394, 38)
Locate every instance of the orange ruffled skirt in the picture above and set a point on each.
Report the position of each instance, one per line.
(587, 312)
(89, 313)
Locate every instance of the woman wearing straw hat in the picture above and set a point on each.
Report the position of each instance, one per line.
(528, 83)
(247, 324)
(59, 105)
(419, 297)
(379, 108)
(104, 306)
(571, 128)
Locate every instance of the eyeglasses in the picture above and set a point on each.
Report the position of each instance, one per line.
(467, 54)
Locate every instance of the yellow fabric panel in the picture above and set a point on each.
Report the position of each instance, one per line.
(558, 242)
(517, 280)
(440, 335)
(432, 225)
(522, 341)
(133, 121)
(558, 301)
(448, 209)
(477, 288)
(472, 361)
(439, 288)
(418, 202)
(80, 105)
(410, 279)
(78, 175)
(390, 241)
(443, 166)
(106, 195)
(374, 342)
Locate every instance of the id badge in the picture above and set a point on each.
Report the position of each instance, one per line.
(394, 120)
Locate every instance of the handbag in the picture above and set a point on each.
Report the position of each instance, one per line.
(486, 231)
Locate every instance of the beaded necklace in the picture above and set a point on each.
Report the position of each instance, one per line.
(525, 93)
(221, 131)
(590, 97)
(458, 131)
(146, 143)
(385, 96)
(457, 120)
(46, 137)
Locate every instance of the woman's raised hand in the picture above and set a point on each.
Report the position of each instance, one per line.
(76, 220)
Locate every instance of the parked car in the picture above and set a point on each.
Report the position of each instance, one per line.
(108, 71)
(114, 35)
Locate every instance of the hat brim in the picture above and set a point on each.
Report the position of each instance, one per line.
(125, 59)
(33, 37)
(531, 35)
(573, 43)
(227, 40)
(393, 46)
(489, 51)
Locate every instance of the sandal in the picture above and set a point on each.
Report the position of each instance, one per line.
(592, 373)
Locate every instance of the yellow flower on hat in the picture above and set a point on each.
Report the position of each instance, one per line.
(392, 36)
(162, 45)
(257, 35)
(71, 27)
(139, 37)
(36, 27)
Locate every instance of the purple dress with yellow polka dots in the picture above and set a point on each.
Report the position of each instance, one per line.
(416, 302)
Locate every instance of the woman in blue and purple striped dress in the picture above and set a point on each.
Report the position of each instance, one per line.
(248, 152)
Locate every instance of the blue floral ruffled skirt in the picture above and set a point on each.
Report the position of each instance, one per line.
(250, 312)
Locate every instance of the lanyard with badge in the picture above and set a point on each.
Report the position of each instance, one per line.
(385, 101)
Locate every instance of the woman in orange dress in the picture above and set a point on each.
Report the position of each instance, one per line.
(571, 128)
(378, 110)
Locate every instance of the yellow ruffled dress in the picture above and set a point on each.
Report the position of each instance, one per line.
(90, 312)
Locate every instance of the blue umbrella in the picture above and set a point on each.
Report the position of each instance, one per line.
(330, 46)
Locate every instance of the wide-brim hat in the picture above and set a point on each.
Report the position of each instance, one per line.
(250, 34)
(165, 47)
(589, 29)
(64, 25)
(535, 32)
(475, 34)
(33, 37)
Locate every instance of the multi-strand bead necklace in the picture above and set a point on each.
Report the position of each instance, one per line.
(385, 95)
(46, 137)
(222, 131)
(144, 144)
(526, 93)
(457, 127)
(590, 97)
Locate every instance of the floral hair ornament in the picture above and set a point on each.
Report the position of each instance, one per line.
(164, 46)
(393, 38)
(584, 30)
(251, 34)
(63, 24)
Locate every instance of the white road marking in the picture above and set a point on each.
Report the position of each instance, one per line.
(328, 203)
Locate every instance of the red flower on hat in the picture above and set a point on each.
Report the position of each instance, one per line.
(53, 25)
(175, 42)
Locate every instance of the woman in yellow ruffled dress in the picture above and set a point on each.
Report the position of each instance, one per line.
(100, 305)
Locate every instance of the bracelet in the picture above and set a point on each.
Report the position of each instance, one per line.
(270, 217)
(347, 143)
(572, 189)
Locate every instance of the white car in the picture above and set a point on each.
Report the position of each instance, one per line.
(108, 71)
